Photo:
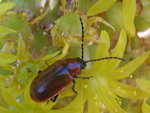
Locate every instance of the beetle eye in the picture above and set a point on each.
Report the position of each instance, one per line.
(82, 63)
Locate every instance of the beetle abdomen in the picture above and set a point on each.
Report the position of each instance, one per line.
(50, 82)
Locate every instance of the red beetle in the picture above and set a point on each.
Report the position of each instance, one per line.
(50, 82)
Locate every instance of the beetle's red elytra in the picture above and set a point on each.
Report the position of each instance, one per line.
(50, 82)
(56, 77)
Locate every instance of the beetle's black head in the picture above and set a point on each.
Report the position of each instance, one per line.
(82, 62)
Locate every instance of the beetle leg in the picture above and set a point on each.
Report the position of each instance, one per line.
(39, 72)
(82, 77)
(73, 87)
(47, 63)
(48, 102)
(54, 99)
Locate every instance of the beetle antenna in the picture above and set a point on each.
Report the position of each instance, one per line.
(82, 49)
(104, 59)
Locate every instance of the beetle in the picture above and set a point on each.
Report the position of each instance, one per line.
(50, 82)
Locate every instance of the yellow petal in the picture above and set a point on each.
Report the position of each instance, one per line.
(128, 13)
(145, 107)
(11, 98)
(127, 91)
(130, 67)
(39, 17)
(6, 58)
(101, 52)
(144, 84)
(100, 6)
(118, 51)
(99, 19)
(22, 53)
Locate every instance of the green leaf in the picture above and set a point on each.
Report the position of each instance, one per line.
(114, 16)
(100, 6)
(118, 51)
(128, 15)
(5, 31)
(70, 24)
(25, 4)
(6, 6)
(20, 25)
(84, 5)
(146, 12)
(40, 42)
(141, 23)
(6, 58)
